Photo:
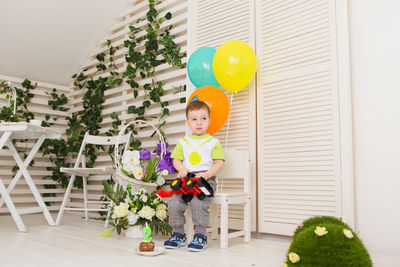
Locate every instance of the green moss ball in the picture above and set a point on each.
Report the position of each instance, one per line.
(331, 248)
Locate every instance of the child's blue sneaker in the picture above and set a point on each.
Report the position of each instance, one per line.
(177, 240)
(199, 243)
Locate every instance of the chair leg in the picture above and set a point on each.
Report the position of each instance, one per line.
(65, 200)
(214, 222)
(109, 209)
(224, 224)
(247, 221)
(85, 199)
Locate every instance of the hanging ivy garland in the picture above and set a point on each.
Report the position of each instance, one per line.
(158, 48)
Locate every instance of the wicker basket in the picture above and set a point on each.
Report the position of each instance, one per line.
(119, 177)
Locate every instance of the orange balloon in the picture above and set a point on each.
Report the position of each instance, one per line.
(218, 103)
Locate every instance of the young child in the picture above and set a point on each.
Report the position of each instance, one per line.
(201, 154)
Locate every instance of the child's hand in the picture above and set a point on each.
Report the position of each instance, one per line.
(202, 174)
(182, 173)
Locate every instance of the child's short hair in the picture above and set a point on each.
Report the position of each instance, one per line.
(196, 105)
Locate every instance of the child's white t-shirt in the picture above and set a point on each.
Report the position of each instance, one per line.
(198, 152)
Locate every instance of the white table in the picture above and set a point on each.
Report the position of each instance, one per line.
(23, 130)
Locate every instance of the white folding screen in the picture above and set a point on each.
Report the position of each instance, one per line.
(212, 23)
(299, 164)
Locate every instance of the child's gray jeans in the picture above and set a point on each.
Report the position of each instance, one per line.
(200, 214)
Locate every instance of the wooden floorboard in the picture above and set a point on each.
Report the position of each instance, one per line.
(75, 243)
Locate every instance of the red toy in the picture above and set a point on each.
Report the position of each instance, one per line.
(189, 186)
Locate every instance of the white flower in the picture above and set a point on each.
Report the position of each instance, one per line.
(121, 210)
(165, 172)
(320, 231)
(162, 207)
(132, 218)
(127, 200)
(348, 233)
(131, 158)
(143, 198)
(147, 213)
(160, 180)
(161, 212)
(128, 168)
(138, 172)
(294, 257)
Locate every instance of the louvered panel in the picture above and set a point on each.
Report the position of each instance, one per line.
(298, 130)
(214, 23)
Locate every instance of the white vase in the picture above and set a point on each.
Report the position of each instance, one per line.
(135, 231)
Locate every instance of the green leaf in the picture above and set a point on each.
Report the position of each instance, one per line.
(165, 111)
(109, 81)
(100, 57)
(101, 67)
(146, 103)
(168, 15)
(106, 234)
(131, 109)
(127, 43)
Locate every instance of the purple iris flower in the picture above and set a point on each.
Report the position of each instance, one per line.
(163, 164)
(144, 154)
(167, 163)
(158, 149)
(171, 168)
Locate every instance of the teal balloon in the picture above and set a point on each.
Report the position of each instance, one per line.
(200, 69)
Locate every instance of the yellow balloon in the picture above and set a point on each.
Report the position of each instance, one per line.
(234, 65)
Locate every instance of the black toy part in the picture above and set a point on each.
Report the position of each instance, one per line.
(205, 187)
(187, 197)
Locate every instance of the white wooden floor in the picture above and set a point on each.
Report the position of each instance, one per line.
(74, 243)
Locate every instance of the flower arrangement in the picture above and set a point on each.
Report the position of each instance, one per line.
(146, 166)
(136, 208)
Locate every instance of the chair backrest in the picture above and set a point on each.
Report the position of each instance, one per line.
(236, 170)
(106, 140)
(103, 141)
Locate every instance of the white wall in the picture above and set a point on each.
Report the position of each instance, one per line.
(375, 73)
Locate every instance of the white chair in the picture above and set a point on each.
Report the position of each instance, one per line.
(85, 172)
(236, 167)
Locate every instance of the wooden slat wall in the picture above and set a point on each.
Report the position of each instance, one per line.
(118, 99)
(21, 194)
(298, 114)
(214, 23)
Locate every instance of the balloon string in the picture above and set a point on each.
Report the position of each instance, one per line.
(227, 133)
(227, 125)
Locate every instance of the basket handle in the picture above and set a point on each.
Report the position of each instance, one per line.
(116, 152)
